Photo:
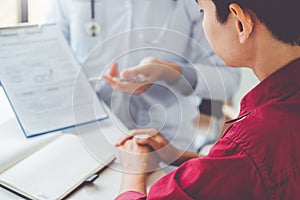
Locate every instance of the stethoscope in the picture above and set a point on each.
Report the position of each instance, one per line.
(93, 28)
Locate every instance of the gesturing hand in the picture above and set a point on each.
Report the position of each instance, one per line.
(152, 69)
(122, 84)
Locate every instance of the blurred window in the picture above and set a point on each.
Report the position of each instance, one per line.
(9, 12)
(13, 12)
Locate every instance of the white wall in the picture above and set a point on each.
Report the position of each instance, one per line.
(37, 10)
(9, 12)
(249, 80)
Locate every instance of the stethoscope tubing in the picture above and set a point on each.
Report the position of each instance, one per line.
(93, 9)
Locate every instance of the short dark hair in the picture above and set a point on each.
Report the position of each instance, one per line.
(281, 17)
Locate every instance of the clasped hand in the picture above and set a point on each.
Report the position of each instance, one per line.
(136, 158)
(151, 140)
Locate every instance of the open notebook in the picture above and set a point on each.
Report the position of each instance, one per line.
(49, 166)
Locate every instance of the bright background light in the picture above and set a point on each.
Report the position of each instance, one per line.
(37, 10)
(10, 12)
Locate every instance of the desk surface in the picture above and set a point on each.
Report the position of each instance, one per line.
(104, 187)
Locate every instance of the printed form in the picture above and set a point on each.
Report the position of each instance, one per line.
(44, 83)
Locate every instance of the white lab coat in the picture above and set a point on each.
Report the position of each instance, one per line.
(134, 29)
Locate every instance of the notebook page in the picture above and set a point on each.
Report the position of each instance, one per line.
(53, 171)
(14, 146)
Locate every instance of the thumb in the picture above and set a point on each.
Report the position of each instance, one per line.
(113, 72)
(155, 145)
(132, 72)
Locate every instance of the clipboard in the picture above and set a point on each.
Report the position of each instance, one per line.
(43, 82)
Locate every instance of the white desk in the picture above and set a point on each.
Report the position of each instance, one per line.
(105, 187)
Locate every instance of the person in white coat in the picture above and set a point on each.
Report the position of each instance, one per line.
(102, 33)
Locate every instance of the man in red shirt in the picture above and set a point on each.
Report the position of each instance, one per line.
(258, 156)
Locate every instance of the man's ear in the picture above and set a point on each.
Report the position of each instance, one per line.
(244, 23)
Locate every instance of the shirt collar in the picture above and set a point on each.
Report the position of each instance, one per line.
(277, 86)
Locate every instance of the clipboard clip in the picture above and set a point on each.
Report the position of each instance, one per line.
(15, 30)
(8, 32)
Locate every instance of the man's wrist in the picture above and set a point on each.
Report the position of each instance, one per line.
(133, 182)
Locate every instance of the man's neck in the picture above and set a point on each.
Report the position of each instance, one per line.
(271, 56)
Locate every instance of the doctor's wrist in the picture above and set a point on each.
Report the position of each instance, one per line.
(171, 72)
